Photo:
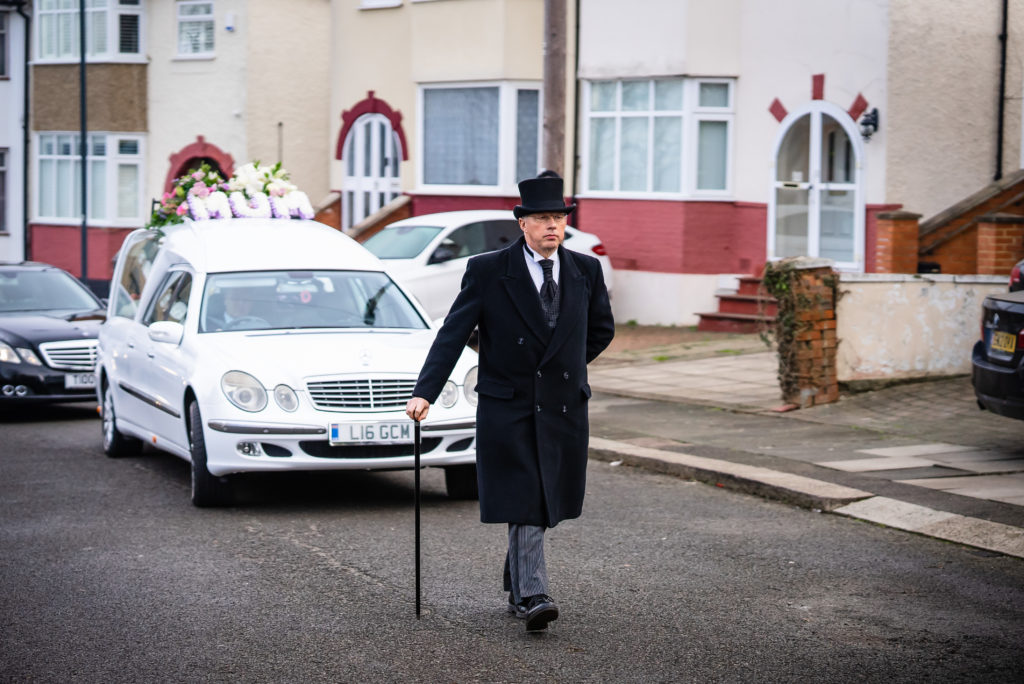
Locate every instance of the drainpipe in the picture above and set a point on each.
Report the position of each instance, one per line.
(83, 141)
(576, 111)
(1002, 95)
(25, 245)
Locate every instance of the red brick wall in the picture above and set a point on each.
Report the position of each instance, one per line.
(895, 242)
(678, 237)
(1000, 243)
(60, 246)
(871, 213)
(959, 255)
(433, 204)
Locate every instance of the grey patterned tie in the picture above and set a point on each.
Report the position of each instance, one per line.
(549, 293)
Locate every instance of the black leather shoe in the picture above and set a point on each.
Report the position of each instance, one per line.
(540, 610)
(517, 609)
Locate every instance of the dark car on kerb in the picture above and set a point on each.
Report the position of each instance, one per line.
(998, 357)
(48, 326)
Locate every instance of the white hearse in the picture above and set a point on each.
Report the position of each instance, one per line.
(268, 344)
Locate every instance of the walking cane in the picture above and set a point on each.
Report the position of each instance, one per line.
(416, 459)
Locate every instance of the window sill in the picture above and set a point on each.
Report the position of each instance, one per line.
(657, 196)
(130, 224)
(468, 190)
(379, 4)
(128, 59)
(204, 57)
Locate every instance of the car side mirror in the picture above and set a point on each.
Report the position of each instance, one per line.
(168, 332)
(446, 251)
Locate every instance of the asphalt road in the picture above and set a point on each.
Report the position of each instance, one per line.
(108, 574)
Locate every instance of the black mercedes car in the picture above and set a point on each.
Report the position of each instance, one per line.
(48, 326)
(998, 358)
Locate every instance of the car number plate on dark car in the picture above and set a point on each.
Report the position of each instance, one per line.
(397, 432)
(1003, 341)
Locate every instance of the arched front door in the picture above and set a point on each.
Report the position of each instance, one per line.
(817, 206)
(371, 155)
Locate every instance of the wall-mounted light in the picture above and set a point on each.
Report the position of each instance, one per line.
(869, 123)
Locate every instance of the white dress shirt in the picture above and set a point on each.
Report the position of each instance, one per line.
(536, 270)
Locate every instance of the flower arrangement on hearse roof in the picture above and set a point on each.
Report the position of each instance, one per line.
(253, 192)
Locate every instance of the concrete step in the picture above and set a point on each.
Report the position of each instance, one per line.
(747, 304)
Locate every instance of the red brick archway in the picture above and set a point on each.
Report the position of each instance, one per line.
(371, 105)
(191, 155)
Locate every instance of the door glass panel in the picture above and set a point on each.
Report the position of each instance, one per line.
(794, 154)
(836, 242)
(791, 222)
(836, 152)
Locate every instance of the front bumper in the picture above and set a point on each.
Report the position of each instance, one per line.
(241, 446)
(24, 384)
(999, 389)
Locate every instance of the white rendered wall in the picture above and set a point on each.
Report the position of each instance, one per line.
(192, 97)
(663, 298)
(940, 123)
(12, 134)
(905, 326)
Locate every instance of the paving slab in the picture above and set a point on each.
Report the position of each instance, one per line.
(917, 450)
(861, 465)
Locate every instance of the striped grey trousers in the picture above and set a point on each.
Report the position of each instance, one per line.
(525, 571)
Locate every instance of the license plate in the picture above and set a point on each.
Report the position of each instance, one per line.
(79, 380)
(1004, 341)
(397, 432)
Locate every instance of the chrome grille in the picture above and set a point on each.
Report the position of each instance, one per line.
(366, 394)
(72, 355)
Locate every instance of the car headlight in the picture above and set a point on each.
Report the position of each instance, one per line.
(244, 391)
(7, 354)
(286, 398)
(29, 357)
(449, 395)
(469, 386)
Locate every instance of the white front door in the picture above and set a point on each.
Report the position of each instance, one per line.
(817, 208)
(371, 156)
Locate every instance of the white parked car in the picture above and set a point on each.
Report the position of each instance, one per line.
(271, 344)
(428, 253)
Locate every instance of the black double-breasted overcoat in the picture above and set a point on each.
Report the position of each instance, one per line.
(532, 424)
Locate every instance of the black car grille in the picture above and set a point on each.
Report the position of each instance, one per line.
(367, 394)
(322, 449)
(70, 355)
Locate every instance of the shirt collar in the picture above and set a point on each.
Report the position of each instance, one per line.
(530, 254)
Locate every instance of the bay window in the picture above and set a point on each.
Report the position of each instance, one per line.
(663, 137)
(112, 30)
(113, 174)
(478, 137)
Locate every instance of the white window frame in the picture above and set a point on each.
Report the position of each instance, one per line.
(5, 43)
(112, 160)
(507, 119)
(379, 4)
(178, 18)
(114, 10)
(692, 114)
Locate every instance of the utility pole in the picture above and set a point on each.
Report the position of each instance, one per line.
(553, 150)
(84, 141)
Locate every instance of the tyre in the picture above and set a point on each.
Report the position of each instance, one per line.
(115, 443)
(460, 481)
(207, 490)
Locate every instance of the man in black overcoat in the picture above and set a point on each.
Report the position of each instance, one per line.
(543, 314)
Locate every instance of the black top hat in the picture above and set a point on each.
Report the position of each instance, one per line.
(542, 194)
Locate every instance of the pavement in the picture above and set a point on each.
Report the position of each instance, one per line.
(917, 456)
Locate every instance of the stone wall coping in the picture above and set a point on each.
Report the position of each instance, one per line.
(922, 278)
(1001, 218)
(803, 262)
(898, 215)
